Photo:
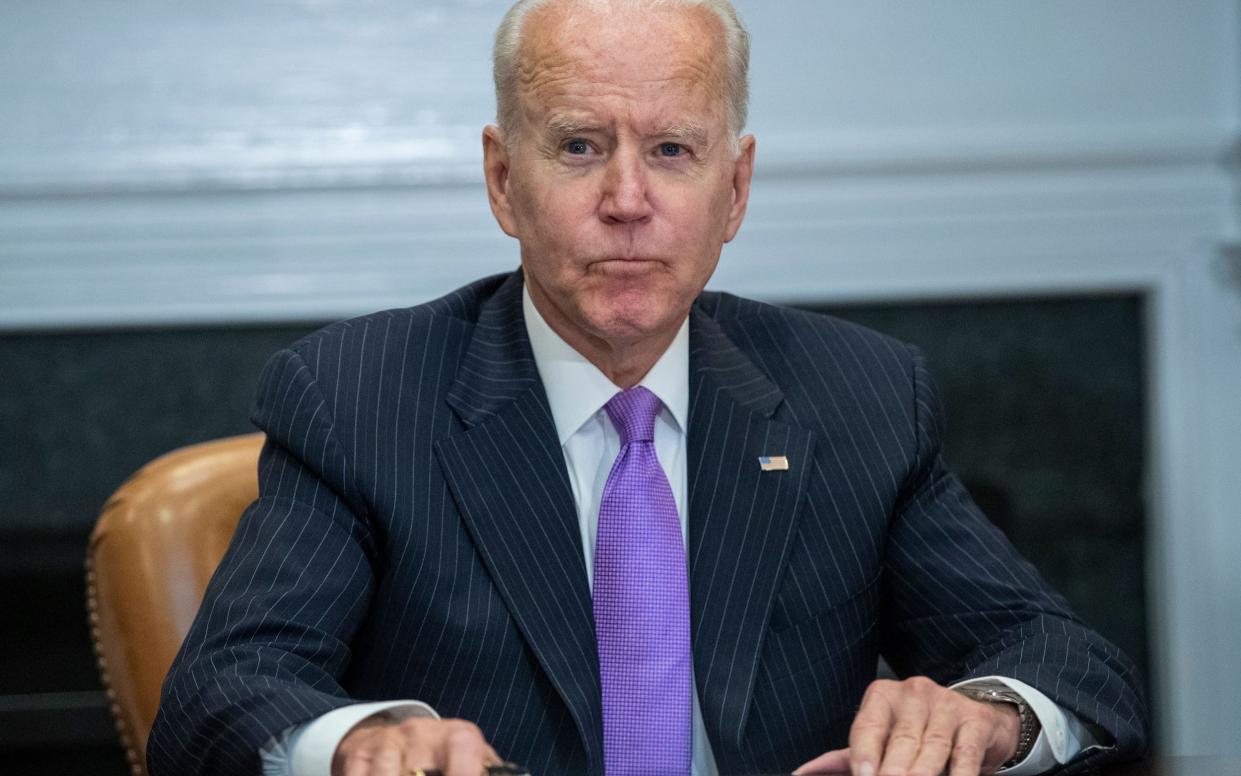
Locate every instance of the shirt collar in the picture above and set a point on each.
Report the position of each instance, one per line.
(576, 389)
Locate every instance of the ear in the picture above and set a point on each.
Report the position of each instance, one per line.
(743, 171)
(495, 170)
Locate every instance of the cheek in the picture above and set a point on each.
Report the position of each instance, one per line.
(696, 229)
(701, 206)
(561, 217)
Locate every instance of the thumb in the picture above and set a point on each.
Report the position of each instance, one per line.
(835, 761)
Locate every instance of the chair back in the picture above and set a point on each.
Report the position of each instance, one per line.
(155, 547)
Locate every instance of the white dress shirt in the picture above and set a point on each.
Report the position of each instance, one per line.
(576, 392)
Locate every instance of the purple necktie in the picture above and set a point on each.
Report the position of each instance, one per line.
(641, 598)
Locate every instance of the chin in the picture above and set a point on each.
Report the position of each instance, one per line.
(634, 322)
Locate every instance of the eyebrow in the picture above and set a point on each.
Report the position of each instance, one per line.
(563, 126)
(567, 125)
(691, 132)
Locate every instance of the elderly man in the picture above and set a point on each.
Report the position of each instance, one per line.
(607, 522)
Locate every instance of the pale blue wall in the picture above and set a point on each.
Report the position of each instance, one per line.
(378, 107)
(99, 93)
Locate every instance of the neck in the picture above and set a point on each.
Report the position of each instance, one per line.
(623, 365)
(623, 362)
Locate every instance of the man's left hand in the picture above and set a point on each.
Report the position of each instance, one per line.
(919, 728)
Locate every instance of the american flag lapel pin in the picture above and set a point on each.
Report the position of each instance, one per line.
(773, 463)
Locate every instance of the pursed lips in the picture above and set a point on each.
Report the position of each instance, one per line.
(627, 260)
(625, 267)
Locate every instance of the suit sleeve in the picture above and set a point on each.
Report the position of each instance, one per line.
(960, 602)
(270, 641)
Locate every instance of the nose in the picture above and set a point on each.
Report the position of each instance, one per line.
(626, 197)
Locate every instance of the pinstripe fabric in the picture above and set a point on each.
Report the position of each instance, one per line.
(416, 538)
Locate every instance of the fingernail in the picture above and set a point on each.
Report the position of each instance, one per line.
(866, 769)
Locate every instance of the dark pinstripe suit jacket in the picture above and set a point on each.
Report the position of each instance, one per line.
(416, 538)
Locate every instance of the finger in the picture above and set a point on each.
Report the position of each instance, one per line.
(968, 748)
(465, 750)
(908, 724)
(412, 751)
(870, 729)
(419, 744)
(835, 761)
(355, 764)
(463, 762)
(937, 740)
(493, 758)
(388, 758)
(373, 753)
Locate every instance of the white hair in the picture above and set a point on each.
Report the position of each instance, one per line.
(736, 50)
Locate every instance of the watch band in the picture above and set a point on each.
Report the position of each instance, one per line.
(1030, 726)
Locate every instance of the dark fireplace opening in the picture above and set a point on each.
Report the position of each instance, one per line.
(1045, 402)
(80, 412)
(1045, 407)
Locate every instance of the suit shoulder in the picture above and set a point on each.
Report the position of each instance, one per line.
(832, 373)
(792, 330)
(454, 309)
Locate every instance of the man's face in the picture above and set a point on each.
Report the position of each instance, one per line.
(623, 182)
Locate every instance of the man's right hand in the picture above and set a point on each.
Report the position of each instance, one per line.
(383, 747)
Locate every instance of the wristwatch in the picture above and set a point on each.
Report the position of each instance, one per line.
(1030, 725)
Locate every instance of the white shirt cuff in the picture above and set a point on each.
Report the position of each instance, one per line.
(308, 749)
(1063, 735)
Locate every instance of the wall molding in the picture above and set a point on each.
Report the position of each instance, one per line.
(411, 157)
(890, 217)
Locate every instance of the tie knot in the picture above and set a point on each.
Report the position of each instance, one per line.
(633, 414)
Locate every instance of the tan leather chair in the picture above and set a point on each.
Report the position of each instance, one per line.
(159, 539)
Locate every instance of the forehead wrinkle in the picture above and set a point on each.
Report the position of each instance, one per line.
(569, 73)
(562, 52)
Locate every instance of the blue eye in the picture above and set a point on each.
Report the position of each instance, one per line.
(577, 147)
(671, 149)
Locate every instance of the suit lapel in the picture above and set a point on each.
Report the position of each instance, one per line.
(741, 523)
(507, 474)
